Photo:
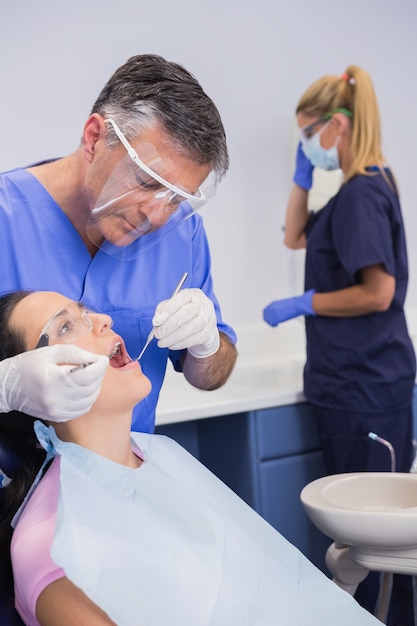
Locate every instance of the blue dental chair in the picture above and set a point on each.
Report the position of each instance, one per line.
(10, 460)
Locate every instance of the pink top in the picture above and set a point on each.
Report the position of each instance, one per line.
(33, 568)
(170, 541)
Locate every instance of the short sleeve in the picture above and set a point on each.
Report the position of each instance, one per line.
(362, 231)
(33, 568)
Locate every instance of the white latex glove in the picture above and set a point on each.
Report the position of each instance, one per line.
(187, 320)
(39, 382)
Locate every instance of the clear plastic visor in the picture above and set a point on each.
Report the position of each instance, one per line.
(138, 199)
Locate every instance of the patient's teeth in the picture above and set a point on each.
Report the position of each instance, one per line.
(115, 350)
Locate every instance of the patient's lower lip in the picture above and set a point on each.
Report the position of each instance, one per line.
(130, 365)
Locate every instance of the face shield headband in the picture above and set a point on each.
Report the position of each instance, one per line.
(138, 205)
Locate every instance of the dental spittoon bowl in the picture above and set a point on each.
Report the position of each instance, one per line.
(372, 509)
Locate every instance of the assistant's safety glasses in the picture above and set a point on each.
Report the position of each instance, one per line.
(308, 131)
(170, 190)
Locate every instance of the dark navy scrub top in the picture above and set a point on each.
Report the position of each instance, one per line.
(363, 363)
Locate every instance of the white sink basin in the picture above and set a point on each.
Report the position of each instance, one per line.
(286, 374)
(367, 509)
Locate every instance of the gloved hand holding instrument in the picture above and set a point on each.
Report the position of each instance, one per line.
(44, 383)
(186, 321)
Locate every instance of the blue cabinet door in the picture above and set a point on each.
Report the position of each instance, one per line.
(285, 430)
(280, 484)
(267, 457)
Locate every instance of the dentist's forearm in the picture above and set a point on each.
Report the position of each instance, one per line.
(211, 372)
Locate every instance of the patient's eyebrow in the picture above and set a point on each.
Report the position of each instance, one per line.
(44, 338)
(66, 311)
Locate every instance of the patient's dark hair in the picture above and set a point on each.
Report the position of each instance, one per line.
(17, 440)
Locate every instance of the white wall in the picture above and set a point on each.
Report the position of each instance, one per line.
(254, 59)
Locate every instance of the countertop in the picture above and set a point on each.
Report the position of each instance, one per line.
(268, 373)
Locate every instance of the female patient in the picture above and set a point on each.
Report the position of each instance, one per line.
(129, 529)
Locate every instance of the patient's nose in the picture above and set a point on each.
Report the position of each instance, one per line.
(102, 322)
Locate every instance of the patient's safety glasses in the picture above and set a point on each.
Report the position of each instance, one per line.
(67, 325)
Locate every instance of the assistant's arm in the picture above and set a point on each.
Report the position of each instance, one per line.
(296, 216)
(63, 603)
(373, 294)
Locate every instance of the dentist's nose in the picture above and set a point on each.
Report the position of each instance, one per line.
(161, 208)
(158, 217)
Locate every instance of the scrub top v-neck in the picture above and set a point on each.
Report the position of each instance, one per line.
(41, 250)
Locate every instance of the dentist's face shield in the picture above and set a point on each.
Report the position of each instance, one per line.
(141, 201)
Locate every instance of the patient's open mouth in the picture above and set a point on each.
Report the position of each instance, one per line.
(118, 356)
(116, 350)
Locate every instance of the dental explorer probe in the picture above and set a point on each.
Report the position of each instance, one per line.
(152, 333)
(150, 336)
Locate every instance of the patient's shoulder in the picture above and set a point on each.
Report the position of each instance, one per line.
(33, 568)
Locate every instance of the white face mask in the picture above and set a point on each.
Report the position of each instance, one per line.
(320, 157)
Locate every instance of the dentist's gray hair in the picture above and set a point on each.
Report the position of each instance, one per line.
(149, 90)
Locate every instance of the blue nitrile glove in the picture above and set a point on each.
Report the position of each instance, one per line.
(303, 175)
(283, 310)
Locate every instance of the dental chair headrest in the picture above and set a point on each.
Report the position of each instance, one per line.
(17, 437)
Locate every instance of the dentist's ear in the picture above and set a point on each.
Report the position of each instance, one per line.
(94, 130)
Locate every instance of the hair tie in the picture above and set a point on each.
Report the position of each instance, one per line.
(348, 79)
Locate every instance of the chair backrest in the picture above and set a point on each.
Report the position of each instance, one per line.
(13, 451)
(11, 457)
(8, 614)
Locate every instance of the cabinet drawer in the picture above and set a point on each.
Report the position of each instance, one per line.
(286, 430)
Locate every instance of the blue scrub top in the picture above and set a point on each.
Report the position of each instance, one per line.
(363, 363)
(41, 250)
